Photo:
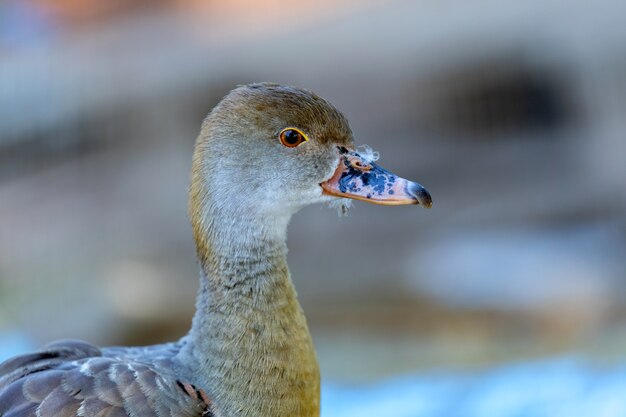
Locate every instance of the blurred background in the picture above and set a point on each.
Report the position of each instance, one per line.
(511, 113)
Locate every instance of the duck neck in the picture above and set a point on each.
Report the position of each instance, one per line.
(249, 338)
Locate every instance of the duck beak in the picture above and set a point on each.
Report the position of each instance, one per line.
(360, 179)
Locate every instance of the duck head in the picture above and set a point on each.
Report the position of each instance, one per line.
(264, 152)
(268, 150)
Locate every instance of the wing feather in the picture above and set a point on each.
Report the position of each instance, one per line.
(73, 379)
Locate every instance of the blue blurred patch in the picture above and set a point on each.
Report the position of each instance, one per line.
(564, 387)
(23, 24)
(13, 343)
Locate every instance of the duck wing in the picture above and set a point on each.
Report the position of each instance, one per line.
(74, 379)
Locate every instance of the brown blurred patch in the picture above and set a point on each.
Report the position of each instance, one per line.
(76, 13)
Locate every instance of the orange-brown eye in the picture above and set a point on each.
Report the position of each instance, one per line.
(292, 137)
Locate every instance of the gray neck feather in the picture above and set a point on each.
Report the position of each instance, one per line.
(249, 344)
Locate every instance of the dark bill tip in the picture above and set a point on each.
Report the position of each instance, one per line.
(420, 193)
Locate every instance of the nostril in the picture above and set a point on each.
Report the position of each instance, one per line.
(420, 194)
(359, 165)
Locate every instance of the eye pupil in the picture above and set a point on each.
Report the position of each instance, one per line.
(292, 137)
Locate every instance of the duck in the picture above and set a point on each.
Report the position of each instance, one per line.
(263, 152)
